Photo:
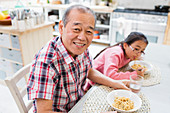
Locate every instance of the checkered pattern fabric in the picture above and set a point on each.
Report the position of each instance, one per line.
(55, 75)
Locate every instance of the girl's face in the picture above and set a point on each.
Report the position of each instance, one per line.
(135, 50)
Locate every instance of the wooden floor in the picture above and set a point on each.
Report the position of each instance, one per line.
(7, 104)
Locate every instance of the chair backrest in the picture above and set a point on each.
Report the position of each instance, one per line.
(19, 93)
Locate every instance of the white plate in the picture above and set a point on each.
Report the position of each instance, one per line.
(124, 93)
(143, 63)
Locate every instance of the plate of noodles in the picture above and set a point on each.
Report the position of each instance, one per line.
(139, 63)
(124, 101)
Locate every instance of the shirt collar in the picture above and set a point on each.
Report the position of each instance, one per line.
(67, 57)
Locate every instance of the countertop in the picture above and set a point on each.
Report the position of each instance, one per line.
(12, 30)
(159, 95)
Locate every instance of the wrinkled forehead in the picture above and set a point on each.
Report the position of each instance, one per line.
(88, 26)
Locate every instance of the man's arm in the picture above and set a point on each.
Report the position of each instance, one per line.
(45, 106)
(99, 78)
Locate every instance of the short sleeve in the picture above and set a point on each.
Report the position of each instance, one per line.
(41, 83)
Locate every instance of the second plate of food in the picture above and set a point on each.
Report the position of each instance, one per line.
(124, 101)
(140, 63)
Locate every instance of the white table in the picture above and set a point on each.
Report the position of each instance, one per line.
(158, 95)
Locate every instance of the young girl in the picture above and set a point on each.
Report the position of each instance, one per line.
(112, 58)
(109, 60)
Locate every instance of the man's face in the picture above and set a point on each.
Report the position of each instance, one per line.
(77, 35)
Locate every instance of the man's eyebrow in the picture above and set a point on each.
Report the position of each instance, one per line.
(91, 27)
(76, 23)
(138, 46)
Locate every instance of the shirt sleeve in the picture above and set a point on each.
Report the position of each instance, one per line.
(90, 59)
(111, 68)
(41, 84)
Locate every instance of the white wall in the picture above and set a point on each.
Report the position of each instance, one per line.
(12, 3)
(149, 4)
(145, 4)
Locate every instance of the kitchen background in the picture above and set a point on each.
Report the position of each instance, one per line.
(20, 42)
(115, 20)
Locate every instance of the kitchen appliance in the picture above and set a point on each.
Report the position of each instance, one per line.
(150, 22)
(162, 8)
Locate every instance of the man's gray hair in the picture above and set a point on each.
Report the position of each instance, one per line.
(80, 8)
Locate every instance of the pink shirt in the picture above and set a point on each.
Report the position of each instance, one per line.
(109, 62)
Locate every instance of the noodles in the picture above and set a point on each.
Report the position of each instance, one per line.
(136, 66)
(123, 103)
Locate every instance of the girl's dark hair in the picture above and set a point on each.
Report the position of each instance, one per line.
(132, 37)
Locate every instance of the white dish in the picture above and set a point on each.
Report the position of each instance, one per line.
(142, 63)
(124, 93)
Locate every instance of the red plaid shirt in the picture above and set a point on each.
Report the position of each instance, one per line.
(55, 75)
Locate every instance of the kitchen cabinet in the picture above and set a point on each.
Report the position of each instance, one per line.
(54, 15)
(103, 27)
(18, 47)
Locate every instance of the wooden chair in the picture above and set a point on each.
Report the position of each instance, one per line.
(19, 92)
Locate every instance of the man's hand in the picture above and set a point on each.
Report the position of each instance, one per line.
(99, 78)
(122, 84)
(140, 71)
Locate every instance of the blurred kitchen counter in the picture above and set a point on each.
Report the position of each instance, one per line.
(27, 41)
(10, 29)
(18, 46)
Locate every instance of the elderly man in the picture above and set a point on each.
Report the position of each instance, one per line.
(61, 67)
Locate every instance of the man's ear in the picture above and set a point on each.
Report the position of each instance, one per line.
(61, 27)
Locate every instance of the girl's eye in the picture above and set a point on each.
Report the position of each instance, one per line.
(136, 49)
